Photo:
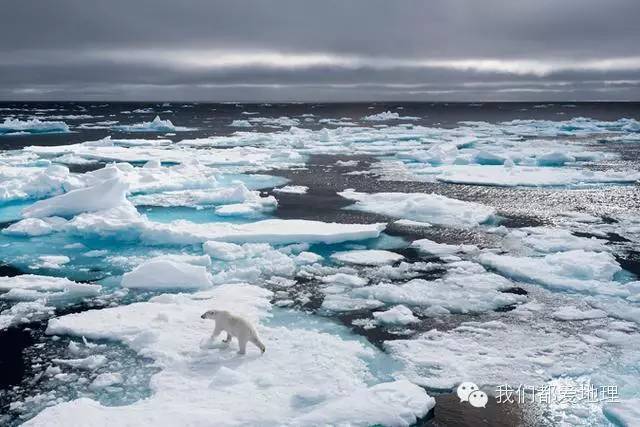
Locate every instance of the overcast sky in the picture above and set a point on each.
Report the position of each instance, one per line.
(321, 50)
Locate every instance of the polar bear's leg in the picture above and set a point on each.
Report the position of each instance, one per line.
(242, 341)
(216, 332)
(228, 338)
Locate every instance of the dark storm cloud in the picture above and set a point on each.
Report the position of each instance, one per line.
(324, 50)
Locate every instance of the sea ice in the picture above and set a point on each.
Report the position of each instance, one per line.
(572, 271)
(387, 115)
(573, 313)
(156, 125)
(367, 257)
(164, 273)
(279, 387)
(431, 208)
(294, 189)
(32, 126)
(398, 315)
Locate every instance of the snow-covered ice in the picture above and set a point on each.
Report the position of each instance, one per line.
(431, 208)
(367, 257)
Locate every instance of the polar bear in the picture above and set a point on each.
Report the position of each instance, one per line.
(234, 326)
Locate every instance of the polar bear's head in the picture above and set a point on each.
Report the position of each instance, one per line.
(211, 314)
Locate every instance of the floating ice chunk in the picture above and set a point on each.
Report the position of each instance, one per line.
(398, 403)
(106, 379)
(224, 251)
(274, 231)
(294, 189)
(347, 163)
(410, 223)
(556, 158)
(24, 312)
(529, 176)
(30, 287)
(53, 261)
(387, 115)
(156, 125)
(307, 258)
(236, 193)
(525, 241)
(487, 158)
(432, 208)
(431, 247)
(573, 313)
(167, 274)
(345, 279)
(105, 195)
(624, 413)
(367, 257)
(23, 183)
(33, 126)
(254, 208)
(465, 289)
(240, 124)
(31, 227)
(91, 362)
(443, 359)
(398, 315)
(274, 121)
(574, 271)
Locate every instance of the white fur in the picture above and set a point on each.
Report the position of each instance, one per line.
(234, 326)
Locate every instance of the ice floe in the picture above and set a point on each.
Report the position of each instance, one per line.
(293, 189)
(431, 208)
(367, 257)
(277, 387)
(160, 273)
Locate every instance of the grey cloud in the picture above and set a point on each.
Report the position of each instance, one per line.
(330, 50)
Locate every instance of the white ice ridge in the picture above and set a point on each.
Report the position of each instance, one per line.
(431, 208)
(387, 115)
(32, 126)
(107, 194)
(200, 381)
(156, 125)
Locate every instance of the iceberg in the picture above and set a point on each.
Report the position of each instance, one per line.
(156, 125)
(33, 126)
